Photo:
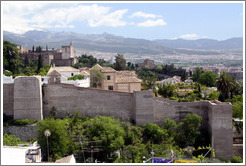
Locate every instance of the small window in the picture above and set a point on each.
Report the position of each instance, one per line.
(108, 77)
(110, 88)
(71, 74)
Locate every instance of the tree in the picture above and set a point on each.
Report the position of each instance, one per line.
(187, 131)
(120, 62)
(108, 131)
(208, 78)
(39, 49)
(33, 48)
(197, 74)
(58, 140)
(224, 85)
(154, 133)
(149, 82)
(40, 63)
(11, 58)
(96, 77)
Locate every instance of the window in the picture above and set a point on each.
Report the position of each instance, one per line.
(42, 79)
(71, 74)
(110, 87)
(108, 77)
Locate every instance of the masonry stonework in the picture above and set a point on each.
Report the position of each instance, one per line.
(8, 99)
(28, 98)
(24, 99)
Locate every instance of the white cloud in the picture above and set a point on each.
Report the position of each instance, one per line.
(59, 15)
(113, 19)
(192, 36)
(144, 15)
(152, 23)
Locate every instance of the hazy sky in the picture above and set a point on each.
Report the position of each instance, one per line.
(136, 20)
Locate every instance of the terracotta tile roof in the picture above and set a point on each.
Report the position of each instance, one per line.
(65, 159)
(126, 76)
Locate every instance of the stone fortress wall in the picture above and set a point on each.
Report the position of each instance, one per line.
(27, 98)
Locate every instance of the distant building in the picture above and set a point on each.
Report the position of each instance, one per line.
(123, 81)
(173, 80)
(147, 63)
(61, 57)
(63, 73)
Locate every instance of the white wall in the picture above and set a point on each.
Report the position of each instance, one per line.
(8, 80)
(13, 156)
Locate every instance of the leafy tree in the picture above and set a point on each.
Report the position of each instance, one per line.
(33, 48)
(108, 131)
(10, 140)
(187, 131)
(120, 62)
(11, 58)
(224, 85)
(96, 77)
(237, 109)
(170, 126)
(208, 78)
(197, 74)
(214, 95)
(154, 133)
(26, 61)
(149, 82)
(58, 140)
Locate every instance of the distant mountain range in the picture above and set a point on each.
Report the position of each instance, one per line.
(117, 44)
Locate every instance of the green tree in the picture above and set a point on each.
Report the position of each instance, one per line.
(170, 126)
(154, 133)
(58, 140)
(40, 63)
(120, 62)
(11, 58)
(208, 78)
(96, 77)
(33, 48)
(188, 130)
(107, 130)
(197, 74)
(224, 85)
(10, 140)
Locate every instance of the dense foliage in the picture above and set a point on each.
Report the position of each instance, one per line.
(10, 140)
(77, 135)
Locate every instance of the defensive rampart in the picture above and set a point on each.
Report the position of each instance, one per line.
(24, 99)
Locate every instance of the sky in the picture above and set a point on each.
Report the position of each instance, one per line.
(143, 20)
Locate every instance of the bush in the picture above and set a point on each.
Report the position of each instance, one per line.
(10, 140)
(236, 159)
(77, 77)
(20, 122)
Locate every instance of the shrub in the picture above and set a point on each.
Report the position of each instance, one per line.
(20, 122)
(10, 140)
(77, 77)
(236, 159)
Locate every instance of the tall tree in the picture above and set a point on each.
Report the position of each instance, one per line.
(33, 48)
(120, 62)
(224, 85)
(96, 77)
(40, 63)
(197, 74)
(11, 58)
